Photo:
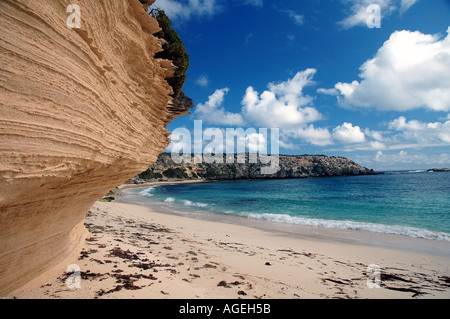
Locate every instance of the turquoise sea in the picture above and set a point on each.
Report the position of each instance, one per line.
(407, 203)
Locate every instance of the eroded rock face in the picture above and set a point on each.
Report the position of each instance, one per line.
(81, 111)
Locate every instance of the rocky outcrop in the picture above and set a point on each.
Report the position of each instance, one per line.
(81, 111)
(290, 166)
(439, 170)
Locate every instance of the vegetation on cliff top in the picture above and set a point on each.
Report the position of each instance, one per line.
(174, 50)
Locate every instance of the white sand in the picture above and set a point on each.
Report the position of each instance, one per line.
(181, 257)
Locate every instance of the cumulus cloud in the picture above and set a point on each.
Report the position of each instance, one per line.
(213, 113)
(217, 140)
(422, 133)
(283, 105)
(312, 135)
(348, 134)
(256, 142)
(344, 134)
(411, 70)
(401, 134)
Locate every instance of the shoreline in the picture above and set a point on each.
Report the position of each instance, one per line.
(133, 251)
(166, 182)
(399, 242)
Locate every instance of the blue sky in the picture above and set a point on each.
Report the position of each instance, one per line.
(320, 73)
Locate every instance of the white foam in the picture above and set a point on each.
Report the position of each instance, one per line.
(189, 203)
(352, 225)
(146, 191)
(169, 200)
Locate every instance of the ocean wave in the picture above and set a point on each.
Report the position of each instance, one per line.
(352, 225)
(193, 204)
(169, 200)
(146, 191)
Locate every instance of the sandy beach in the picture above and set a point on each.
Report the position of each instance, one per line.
(136, 252)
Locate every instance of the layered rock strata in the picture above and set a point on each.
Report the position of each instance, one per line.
(81, 111)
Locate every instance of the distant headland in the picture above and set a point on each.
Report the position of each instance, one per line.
(290, 166)
(439, 170)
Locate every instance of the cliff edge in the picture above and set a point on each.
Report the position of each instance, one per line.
(81, 111)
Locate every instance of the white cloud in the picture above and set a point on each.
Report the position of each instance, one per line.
(376, 145)
(411, 70)
(288, 145)
(215, 140)
(332, 91)
(348, 134)
(256, 142)
(315, 136)
(248, 37)
(202, 81)
(186, 9)
(297, 18)
(376, 135)
(255, 3)
(379, 156)
(422, 133)
(359, 13)
(213, 113)
(283, 105)
(406, 4)
(402, 159)
(401, 123)
(345, 134)
(402, 134)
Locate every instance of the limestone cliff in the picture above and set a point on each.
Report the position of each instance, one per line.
(290, 166)
(81, 111)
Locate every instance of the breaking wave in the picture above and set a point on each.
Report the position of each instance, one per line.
(146, 191)
(193, 204)
(353, 225)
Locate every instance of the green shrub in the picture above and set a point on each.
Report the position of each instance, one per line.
(149, 174)
(174, 50)
(178, 173)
